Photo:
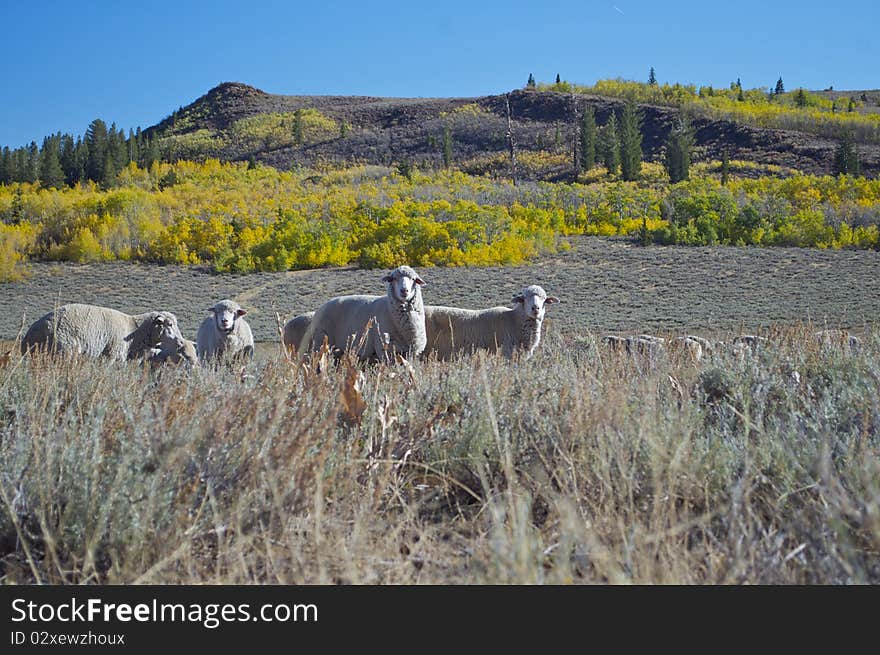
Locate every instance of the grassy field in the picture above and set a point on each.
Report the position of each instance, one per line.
(605, 285)
(580, 465)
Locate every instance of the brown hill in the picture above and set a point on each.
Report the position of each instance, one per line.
(389, 130)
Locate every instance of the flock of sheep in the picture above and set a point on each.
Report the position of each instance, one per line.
(374, 328)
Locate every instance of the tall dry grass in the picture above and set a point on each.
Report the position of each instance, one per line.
(579, 465)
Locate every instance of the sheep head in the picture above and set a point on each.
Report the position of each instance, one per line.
(226, 313)
(403, 284)
(165, 331)
(532, 301)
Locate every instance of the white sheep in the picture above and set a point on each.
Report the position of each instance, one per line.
(96, 331)
(831, 339)
(397, 320)
(174, 354)
(225, 334)
(452, 330)
(295, 331)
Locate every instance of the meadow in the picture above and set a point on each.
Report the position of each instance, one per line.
(577, 466)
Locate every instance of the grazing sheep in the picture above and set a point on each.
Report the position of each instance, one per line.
(692, 346)
(295, 331)
(96, 331)
(397, 320)
(642, 344)
(225, 334)
(175, 354)
(453, 330)
(830, 339)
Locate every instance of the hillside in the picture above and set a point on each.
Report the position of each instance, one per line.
(236, 122)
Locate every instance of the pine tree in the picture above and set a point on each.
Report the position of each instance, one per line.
(67, 159)
(558, 79)
(652, 79)
(800, 98)
(447, 147)
(96, 140)
(739, 94)
(846, 159)
(611, 145)
(31, 171)
(109, 172)
(780, 87)
(51, 173)
(678, 150)
(5, 160)
(588, 138)
(630, 142)
(531, 82)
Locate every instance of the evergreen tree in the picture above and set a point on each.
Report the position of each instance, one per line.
(800, 98)
(5, 161)
(611, 145)
(531, 83)
(652, 79)
(558, 79)
(780, 87)
(132, 147)
(31, 170)
(725, 167)
(739, 94)
(588, 138)
(678, 150)
(67, 159)
(82, 159)
(96, 140)
(630, 142)
(151, 151)
(109, 172)
(846, 159)
(51, 173)
(447, 147)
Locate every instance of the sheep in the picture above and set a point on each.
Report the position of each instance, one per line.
(96, 331)
(452, 330)
(175, 354)
(639, 344)
(830, 339)
(295, 331)
(225, 334)
(396, 320)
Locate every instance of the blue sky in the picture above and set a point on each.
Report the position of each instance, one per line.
(64, 63)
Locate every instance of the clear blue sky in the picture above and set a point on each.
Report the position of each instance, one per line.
(66, 63)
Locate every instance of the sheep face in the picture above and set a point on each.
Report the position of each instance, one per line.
(166, 332)
(532, 301)
(403, 283)
(226, 313)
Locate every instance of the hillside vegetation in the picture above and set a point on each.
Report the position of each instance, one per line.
(238, 218)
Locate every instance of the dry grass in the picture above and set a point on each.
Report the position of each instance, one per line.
(579, 465)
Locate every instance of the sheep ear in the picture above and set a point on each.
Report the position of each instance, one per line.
(211, 310)
(387, 278)
(518, 298)
(241, 312)
(421, 282)
(552, 299)
(159, 320)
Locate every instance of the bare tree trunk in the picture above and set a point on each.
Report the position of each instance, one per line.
(511, 142)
